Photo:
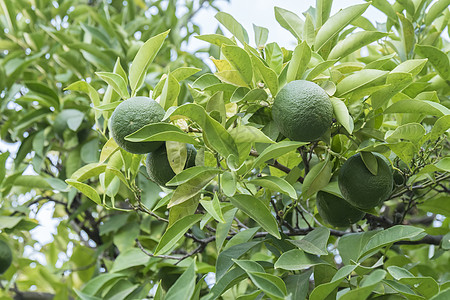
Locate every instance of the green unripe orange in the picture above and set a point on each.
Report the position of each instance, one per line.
(336, 211)
(158, 166)
(302, 111)
(360, 187)
(131, 115)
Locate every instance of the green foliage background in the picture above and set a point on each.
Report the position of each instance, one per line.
(246, 212)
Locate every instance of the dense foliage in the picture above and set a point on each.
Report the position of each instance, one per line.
(243, 222)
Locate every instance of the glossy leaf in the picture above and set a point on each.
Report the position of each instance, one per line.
(297, 259)
(299, 62)
(336, 23)
(87, 190)
(233, 26)
(256, 210)
(175, 232)
(277, 184)
(317, 178)
(289, 21)
(342, 116)
(184, 286)
(143, 59)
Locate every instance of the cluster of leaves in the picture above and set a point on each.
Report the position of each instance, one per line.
(246, 212)
(50, 133)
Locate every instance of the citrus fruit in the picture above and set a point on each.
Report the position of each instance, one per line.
(336, 211)
(5, 257)
(158, 166)
(360, 187)
(302, 111)
(131, 115)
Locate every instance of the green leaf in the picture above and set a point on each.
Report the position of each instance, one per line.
(9, 12)
(323, 10)
(437, 58)
(87, 190)
(176, 155)
(242, 236)
(370, 161)
(297, 259)
(389, 236)
(83, 86)
(350, 245)
(412, 66)
(315, 242)
(88, 171)
(224, 260)
(233, 26)
(117, 83)
(297, 286)
(354, 42)
(419, 107)
(229, 184)
(359, 80)
(161, 132)
(321, 292)
(3, 157)
(213, 208)
(441, 126)
(9, 222)
(240, 61)
(245, 137)
(425, 286)
(191, 187)
(435, 10)
(271, 285)
(259, 212)
(289, 21)
(175, 232)
(217, 136)
(319, 69)
(224, 228)
(317, 178)
(366, 286)
(169, 93)
(299, 62)
(191, 173)
(275, 184)
(342, 115)
(275, 151)
(143, 59)
(268, 75)
(94, 285)
(309, 31)
(404, 150)
(413, 132)
(215, 39)
(130, 258)
(407, 36)
(274, 57)
(443, 295)
(183, 73)
(438, 205)
(261, 35)
(336, 23)
(184, 287)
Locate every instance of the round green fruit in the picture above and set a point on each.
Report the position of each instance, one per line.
(336, 211)
(131, 115)
(5, 257)
(302, 111)
(158, 166)
(360, 187)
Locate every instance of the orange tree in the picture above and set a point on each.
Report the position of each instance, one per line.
(358, 211)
